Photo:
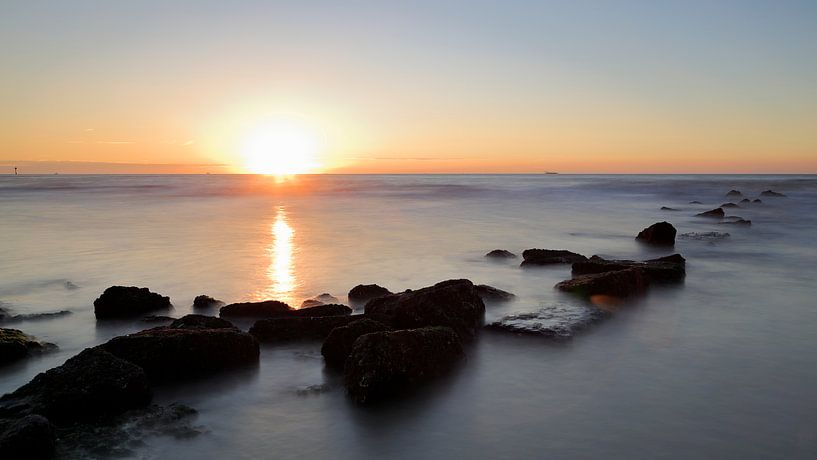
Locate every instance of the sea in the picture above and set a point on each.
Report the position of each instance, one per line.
(723, 365)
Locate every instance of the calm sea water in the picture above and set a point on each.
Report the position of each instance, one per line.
(723, 366)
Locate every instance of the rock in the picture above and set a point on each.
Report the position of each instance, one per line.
(157, 319)
(745, 201)
(556, 322)
(124, 302)
(384, 364)
(665, 208)
(201, 322)
(168, 354)
(729, 205)
(500, 254)
(620, 283)
(492, 294)
(31, 437)
(7, 317)
(704, 236)
(772, 193)
(265, 309)
(362, 293)
(550, 256)
(298, 328)
(70, 286)
(732, 193)
(757, 200)
(15, 345)
(339, 342)
(321, 310)
(695, 202)
(737, 221)
(453, 303)
(717, 212)
(669, 268)
(661, 233)
(205, 301)
(322, 299)
(91, 384)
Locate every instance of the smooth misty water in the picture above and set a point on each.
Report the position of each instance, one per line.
(721, 367)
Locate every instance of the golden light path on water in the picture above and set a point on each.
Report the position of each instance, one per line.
(280, 272)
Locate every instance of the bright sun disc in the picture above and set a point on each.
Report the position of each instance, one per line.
(281, 148)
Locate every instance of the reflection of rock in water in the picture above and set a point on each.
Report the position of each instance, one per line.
(558, 321)
(119, 436)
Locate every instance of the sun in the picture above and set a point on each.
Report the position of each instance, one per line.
(281, 148)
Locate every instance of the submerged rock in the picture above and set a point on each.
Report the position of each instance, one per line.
(729, 205)
(661, 233)
(157, 319)
(500, 254)
(364, 292)
(339, 342)
(666, 208)
(707, 236)
(556, 322)
(8, 317)
(453, 303)
(201, 322)
(384, 364)
(205, 301)
(695, 202)
(717, 212)
(265, 309)
(128, 301)
(737, 221)
(15, 345)
(492, 294)
(757, 200)
(620, 283)
(298, 328)
(550, 257)
(31, 437)
(669, 268)
(746, 201)
(322, 299)
(772, 193)
(167, 353)
(734, 193)
(91, 384)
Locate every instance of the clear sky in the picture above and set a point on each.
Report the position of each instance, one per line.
(438, 86)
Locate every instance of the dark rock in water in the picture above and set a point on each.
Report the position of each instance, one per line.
(732, 193)
(205, 301)
(265, 309)
(339, 342)
(737, 221)
(746, 200)
(501, 254)
(717, 212)
(729, 205)
(15, 345)
(157, 319)
(453, 303)
(384, 364)
(31, 437)
(695, 202)
(772, 193)
(92, 383)
(124, 302)
(298, 328)
(7, 317)
(556, 322)
(364, 292)
(322, 299)
(620, 283)
(707, 236)
(665, 208)
(757, 200)
(669, 268)
(492, 294)
(322, 310)
(168, 354)
(69, 285)
(661, 233)
(201, 322)
(550, 257)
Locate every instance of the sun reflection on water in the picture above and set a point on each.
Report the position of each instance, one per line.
(280, 272)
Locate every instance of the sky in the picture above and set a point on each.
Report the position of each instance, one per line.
(409, 87)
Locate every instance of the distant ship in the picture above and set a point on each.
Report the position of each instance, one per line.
(551, 172)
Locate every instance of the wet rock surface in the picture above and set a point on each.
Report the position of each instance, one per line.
(322, 299)
(298, 328)
(128, 301)
(500, 254)
(715, 213)
(385, 364)
(620, 283)
(30, 437)
(660, 233)
(205, 301)
(8, 317)
(362, 293)
(321, 310)
(264, 309)
(736, 221)
(194, 321)
(453, 303)
(492, 294)
(339, 342)
(550, 257)
(669, 268)
(16, 345)
(557, 322)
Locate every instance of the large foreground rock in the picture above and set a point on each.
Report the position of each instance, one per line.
(265, 309)
(92, 383)
(661, 233)
(31, 437)
(128, 301)
(339, 342)
(620, 283)
(453, 303)
(167, 353)
(15, 345)
(383, 364)
(550, 257)
(557, 322)
(669, 268)
(298, 328)
(363, 293)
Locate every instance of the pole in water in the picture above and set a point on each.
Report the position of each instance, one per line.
(15, 170)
